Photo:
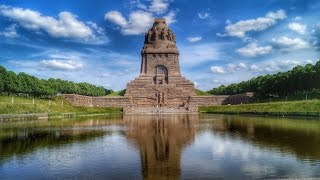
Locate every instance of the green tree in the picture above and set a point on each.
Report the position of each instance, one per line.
(300, 79)
(2, 75)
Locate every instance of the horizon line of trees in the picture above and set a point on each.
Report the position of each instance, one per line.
(27, 85)
(296, 81)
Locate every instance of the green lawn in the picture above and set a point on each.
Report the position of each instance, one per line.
(118, 93)
(202, 93)
(58, 105)
(289, 108)
(22, 105)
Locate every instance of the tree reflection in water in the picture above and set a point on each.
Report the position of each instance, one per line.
(161, 147)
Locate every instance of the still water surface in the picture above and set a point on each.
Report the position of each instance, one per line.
(161, 147)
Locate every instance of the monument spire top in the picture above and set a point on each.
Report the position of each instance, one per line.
(160, 38)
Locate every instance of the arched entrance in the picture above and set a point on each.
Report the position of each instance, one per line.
(160, 75)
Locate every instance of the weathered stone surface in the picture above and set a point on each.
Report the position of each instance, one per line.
(159, 88)
(160, 84)
(79, 100)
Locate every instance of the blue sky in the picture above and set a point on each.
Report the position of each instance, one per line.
(99, 41)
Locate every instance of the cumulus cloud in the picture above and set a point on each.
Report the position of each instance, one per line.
(217, 70)
(159, 6)
(116, 17)
(253, 50)
(61, 65)
(229, 68)
(240, 28)
(286, 43)
(140, 20)
(170, 17)
(297, 27)
(194, 39)
(260, 68)
(273, 66)
(10, 31)
(255, 68)
(234, 67)
(67, 24)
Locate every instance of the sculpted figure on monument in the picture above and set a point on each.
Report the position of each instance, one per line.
(156, 34)
(170, 37)
(149, 35)
(162, 35)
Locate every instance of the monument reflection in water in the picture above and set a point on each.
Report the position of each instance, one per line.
(161, 147)
(160, 140)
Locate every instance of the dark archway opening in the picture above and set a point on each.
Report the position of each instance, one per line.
(160, 75)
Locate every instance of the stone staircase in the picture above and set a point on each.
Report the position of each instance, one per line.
(156, 110)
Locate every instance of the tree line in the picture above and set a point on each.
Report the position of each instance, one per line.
(27, 85)
(299, 79)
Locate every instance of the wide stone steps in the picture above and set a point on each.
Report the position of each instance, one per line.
(156, 110)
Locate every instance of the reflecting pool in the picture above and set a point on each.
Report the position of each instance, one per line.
(161, 147)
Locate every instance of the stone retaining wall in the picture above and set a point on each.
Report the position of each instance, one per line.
(208, 100)
(192, 106)
(79, 100)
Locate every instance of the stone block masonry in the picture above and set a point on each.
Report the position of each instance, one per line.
(124, 102)
(159, 88)
(79, 100)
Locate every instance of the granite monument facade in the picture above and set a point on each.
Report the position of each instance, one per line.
(160, 87)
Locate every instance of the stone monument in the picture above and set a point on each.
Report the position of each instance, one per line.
(160, 86)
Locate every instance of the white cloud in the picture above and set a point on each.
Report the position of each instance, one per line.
(297, 27)
(138, 22)
(155, 6)
(67, 24)
(194, 39)
(242, 65)
(290, 44)
(217, 70)
(61, 65)
(10, 31)
(240, 28)
(253, 50)
(203, 15)
(159, 6)
(280, 14)
(170, 17)
(275, 65)
(255, 68)
(251, 70)
(195, 84)
(229, 68)
(116, 17)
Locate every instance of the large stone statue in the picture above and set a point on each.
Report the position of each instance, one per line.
(170, 37)
(149, 35)
(156, 34)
